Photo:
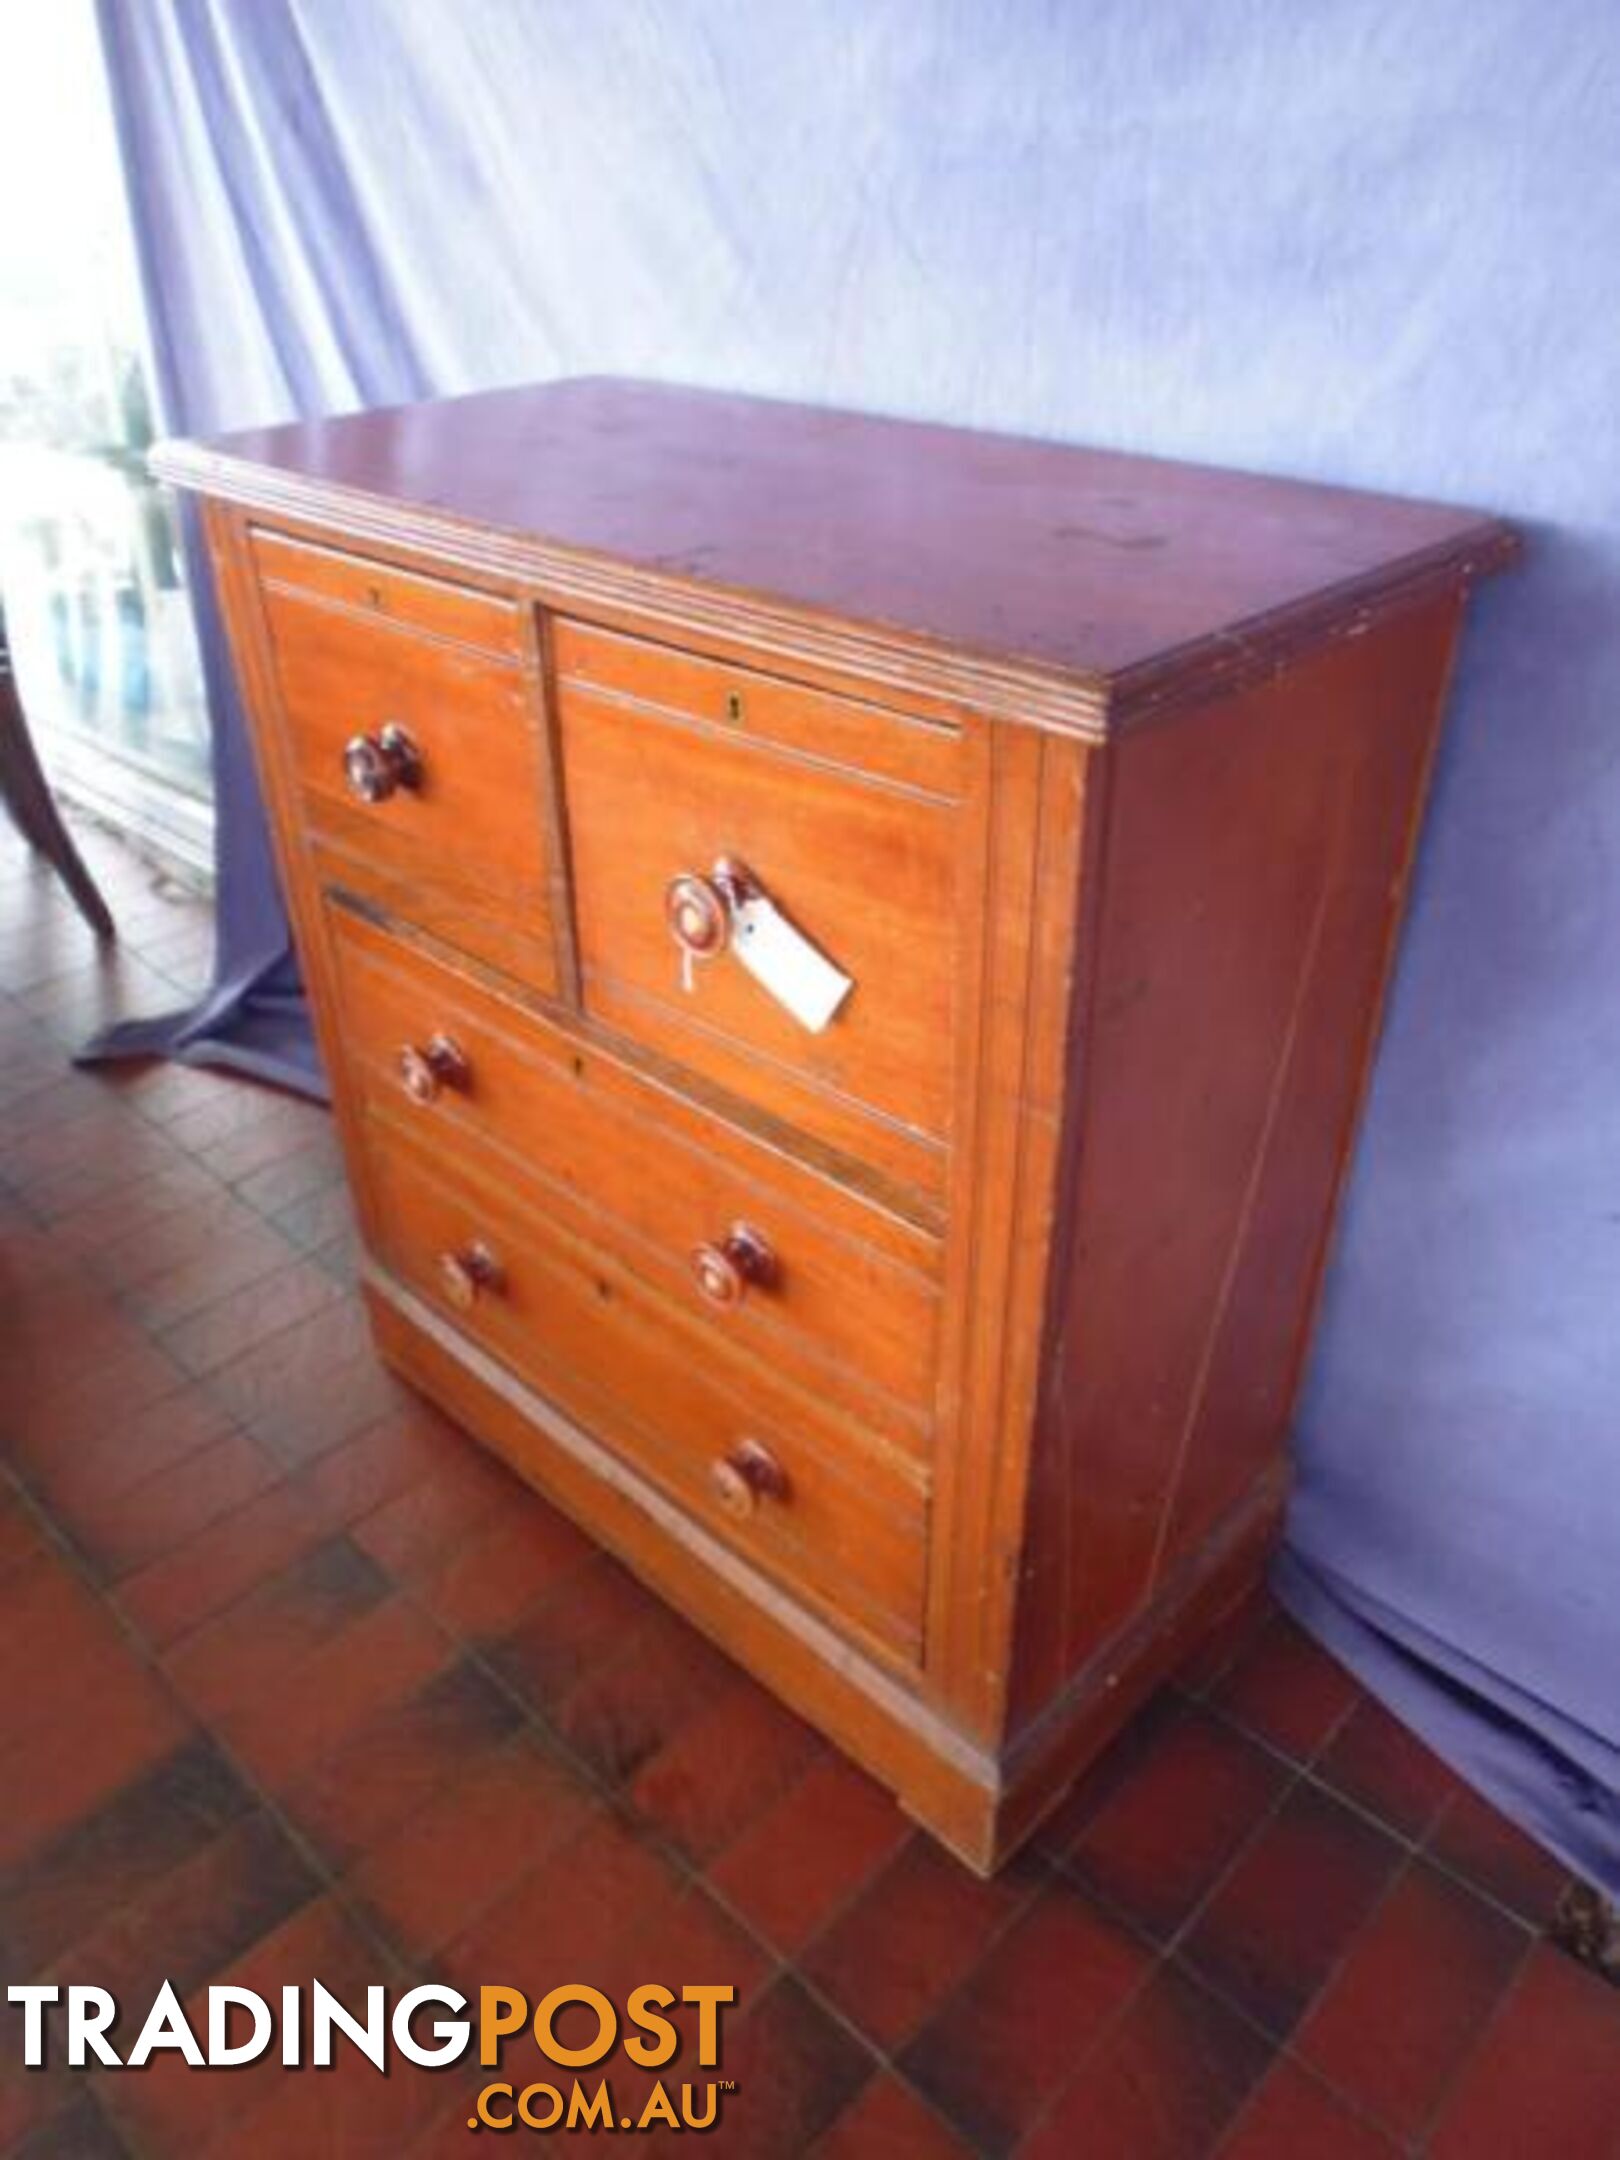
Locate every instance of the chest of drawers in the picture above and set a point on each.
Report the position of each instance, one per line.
(936, 1358)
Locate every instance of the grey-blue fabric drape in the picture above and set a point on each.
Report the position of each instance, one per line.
(1361, 241)
(265, 300)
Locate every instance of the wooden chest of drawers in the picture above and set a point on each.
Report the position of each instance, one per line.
(936, 1358)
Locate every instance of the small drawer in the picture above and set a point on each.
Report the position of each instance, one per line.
(757, 707)
(383, 593)
(420, 761)
(837, 1519)
(778, 1260)
(863, 863)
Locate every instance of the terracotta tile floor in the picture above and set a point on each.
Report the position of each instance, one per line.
(294, 1682)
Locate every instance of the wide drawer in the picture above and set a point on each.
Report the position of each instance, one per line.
(442, 816)
(770, 1255)
(838, 1519)
(866, 861)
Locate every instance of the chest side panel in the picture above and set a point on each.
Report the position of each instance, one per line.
(1253, 874)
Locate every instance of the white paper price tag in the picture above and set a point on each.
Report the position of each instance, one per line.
(784, 962)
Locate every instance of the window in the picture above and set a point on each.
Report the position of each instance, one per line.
(90, 572)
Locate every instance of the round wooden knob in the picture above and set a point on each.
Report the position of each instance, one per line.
(698, 918)
(467, 1271)
(723, 1272)
(375, 766)
(439, 1063)
(745, 1476)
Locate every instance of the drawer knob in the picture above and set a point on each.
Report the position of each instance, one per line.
(466, 1272)
(698, 917)
(375, 766)
(747, 1475)
(724, 1272)
(426, 1068)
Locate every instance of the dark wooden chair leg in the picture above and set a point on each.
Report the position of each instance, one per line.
(28, 797)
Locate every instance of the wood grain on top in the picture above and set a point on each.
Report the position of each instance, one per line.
(1079, 563)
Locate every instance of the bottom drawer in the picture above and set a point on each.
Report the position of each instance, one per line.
(809, 1500)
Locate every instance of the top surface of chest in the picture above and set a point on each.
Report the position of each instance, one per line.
(1085, 565)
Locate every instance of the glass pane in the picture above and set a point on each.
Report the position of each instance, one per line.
(90, 574)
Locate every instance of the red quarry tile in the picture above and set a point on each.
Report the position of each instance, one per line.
(893, 1956)
(1292, 2117)
(109, 1217)
(394, 1761)
(21, 1535)
(114, 1848)
(44, 1602)
(487, 1582)
(569, 1913)
(375, 1464)
(288, 1125)
(1163, 2083)
(447, 1863)
(122, 1532)
(311, 1386)
(59, 1168)
(1092, 1791)
(168, 2108)
(130, 1447)
(548, 1654)
(96, 1739)
(1171, 1829)
(164, 1091)
(72, 1407)
(211, 1274)
(58, 1327)
(413, 1535)
(715, 1774)
(627, 1708)
(1225, 1640)
(220, 1564)
(683, 1939)
(315, 1165)
(191, 1254)
(1472, 1840)
(37, 2103)
(78, 2131)
(350, 2110)
(200, 1916)
(341, 1256)
(1279, 1923)
(1545, 2079)
(1012, 2034)
(804, 1857)
(887, 2121)
(237, 1659)
(1286, 1690)
(315, 1218)
(378, 1658)
(181, 948)
(796, 2071)
(1375, 1761)
(232, 1106)
(1445, 1958)
(255, 1313)
(109, 1159)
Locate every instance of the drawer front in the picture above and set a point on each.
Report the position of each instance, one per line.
(838, 1520)
(454, 836)
(771, 1256)
(864, 863)
(405, 598)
